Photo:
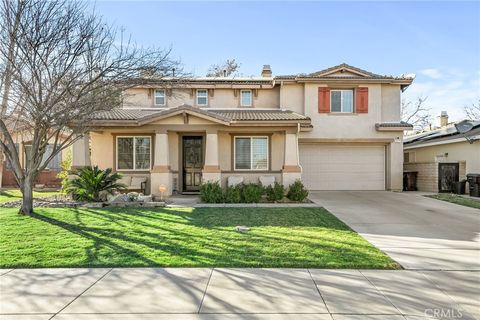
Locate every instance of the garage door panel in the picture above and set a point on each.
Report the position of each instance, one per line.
(327, 167)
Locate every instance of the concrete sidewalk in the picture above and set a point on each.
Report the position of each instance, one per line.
(204, 293)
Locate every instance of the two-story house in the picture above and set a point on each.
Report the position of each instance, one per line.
(336, 129)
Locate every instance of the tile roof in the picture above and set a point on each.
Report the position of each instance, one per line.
(226, 115)
(401, 124)
(259, 115)
(325, 74)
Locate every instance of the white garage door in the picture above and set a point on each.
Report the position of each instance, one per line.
(328, 167)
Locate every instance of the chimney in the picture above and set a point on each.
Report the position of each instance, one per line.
(443, 119)
(266, 71)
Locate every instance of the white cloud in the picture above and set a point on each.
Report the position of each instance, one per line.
(431, 73)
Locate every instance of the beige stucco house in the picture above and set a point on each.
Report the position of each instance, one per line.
(336, 129)
(426, 153)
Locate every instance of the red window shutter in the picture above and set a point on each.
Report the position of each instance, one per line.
(362, 100)
(323, 100)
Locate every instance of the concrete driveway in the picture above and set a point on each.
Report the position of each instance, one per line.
(416, 231)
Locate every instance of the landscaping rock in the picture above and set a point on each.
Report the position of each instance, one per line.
(242, 228)
(93, 205)
(142, 198)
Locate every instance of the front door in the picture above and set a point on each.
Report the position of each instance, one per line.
(192, 162)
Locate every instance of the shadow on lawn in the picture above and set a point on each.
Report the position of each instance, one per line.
(205, 237)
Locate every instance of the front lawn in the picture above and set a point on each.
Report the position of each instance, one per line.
(15, 194)
(453, 198)
(183, 237)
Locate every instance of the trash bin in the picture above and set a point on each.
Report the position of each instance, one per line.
(459, 187)
(410, 180)
(474, 184)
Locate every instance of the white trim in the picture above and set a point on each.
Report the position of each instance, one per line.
(251, 98)
(341, 101)
(251, 157)
(206, 97)
(134, 153)
(164, 98)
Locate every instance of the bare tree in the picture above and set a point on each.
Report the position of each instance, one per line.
(59, 64)
(225, 69)
(473, 111)
(416, 113)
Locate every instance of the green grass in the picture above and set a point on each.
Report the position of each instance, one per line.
(15, 194)
(183, 237)
(453, 198)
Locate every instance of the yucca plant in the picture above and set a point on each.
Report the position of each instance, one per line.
(91, 181)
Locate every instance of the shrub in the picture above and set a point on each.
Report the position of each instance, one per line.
(66, 165)
(297, 192)
(233, 194)
(91, 181)
(211, 192)
(252, 193)
(275, 193)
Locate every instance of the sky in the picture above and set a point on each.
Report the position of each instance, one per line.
(439, 42)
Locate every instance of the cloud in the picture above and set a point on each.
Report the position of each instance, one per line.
(431, 73)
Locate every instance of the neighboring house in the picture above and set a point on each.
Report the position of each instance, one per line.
(442, 154)
(46, 178)
(336, 129)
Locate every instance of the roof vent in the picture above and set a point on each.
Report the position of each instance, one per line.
(266, 71)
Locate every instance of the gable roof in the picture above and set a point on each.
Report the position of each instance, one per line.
(357, 73)
(137, 117)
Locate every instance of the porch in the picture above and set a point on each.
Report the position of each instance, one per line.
(179, 149)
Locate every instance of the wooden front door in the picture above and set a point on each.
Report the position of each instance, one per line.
(448, 173)
(192, 162)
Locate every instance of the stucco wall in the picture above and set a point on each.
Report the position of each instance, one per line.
(460, 151)
(354, 125)
(222, 98)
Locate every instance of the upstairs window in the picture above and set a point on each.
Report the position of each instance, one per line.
(246, 98)
(341, 101)
(202, 97)
(160, 97)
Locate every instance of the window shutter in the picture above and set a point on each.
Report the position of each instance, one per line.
(362, 100)
(323, 100)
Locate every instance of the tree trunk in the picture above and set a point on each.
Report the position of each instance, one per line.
(27, 200)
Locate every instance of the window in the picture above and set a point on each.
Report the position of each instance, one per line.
(8, 164)
(133, 153)
(202, 97)
(251, 153)
(246, 98)
(341, 100)
(54, 164)
(159, 97)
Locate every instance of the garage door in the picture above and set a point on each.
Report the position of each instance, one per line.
(328, 167)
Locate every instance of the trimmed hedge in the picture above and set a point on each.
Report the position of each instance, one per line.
(212, 192)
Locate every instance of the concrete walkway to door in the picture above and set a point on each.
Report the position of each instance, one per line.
(416, 231)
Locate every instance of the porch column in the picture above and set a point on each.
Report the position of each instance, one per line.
(211, 169)
(161, 173)
(291, 166)
(81, 152)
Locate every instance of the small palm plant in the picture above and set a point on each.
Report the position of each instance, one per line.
(91, 181)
